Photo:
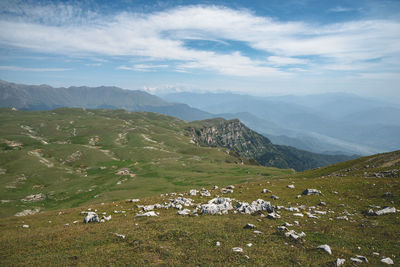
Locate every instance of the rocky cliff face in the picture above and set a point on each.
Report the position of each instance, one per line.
(236, 137)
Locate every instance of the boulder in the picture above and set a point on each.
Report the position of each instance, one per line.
(193, 192)
(34, 198)
(325, 248)
(339, 262)
(249, 226)
(219, 205)
(388, 261)
(237, 249)
(91, 217)
(147, 214)
(183, 212)
(309, 192)
(385, 211)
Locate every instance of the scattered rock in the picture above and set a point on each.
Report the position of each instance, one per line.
(258, 205)
(298, 214)
(274, 197)
(339, 262)
(249, 226)
(134, 200)
(193, 192)
(119, 235)
(237, 249)
(291, 186)
(230, 187)
(264, 191)
(106, 218)
(25, 226)
(257, 232)
(27, 212)
(361, 258)
(273, 215)
(91, 217)
(34, 198)
(322, 203)
(356, 260)
(294, 235)
(249, 245)
(218, 244)
(326, 248)
(183, 212)
(385, 211)
(345, 218)
(309, 192)
(217, 206)
(147, 214)
(388, 261)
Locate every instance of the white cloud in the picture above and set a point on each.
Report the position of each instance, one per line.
(161, 36)
(143, 67)
(16, 68)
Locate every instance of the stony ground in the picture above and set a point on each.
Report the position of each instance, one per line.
(335, 218)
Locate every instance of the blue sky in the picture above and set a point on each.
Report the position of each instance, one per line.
(264, 47)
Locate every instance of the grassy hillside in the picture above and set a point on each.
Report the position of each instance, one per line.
(173, 240)
(73, 157)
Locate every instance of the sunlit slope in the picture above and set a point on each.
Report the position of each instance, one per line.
(77, 156)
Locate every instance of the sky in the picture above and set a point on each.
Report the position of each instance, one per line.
(265, 47)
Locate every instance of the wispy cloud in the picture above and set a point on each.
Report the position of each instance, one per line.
(143, 67)
(162, 36)
(16, 68)
(342, 9)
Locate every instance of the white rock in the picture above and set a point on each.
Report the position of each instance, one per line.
(309, 192)
(282, 228)
(91, 217)
(257, 232)
(388, 261)
(249, 244)
(134, 200)
(25, 226)
(298, 214)
(184, 212)
(218, 244)
(106, 218)
(217, 206)
(273, 216)
(290, 186)
(356, 260)
(340, 262)
(249, 226)
(264, 191)
(342, 218)
(193, 192)
(230, 187)
(237, 249)
(326, 248)
(294, 235)
(119, 235)
(147, 214)
(386, 210)
(363, 258)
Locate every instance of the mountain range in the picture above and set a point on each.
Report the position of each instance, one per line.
(326, 123)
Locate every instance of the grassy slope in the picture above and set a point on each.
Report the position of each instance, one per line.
(174, 240)
(155, 148)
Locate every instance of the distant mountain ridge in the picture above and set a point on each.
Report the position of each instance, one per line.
(44, 97)
(235, 136)
(324, 123)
